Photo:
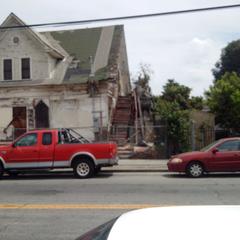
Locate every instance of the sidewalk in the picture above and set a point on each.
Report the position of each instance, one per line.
(138, 165)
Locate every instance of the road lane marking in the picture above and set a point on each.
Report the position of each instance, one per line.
(78, 206)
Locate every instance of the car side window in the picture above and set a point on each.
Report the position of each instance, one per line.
(229, 146)
(47, 139)
(27, 140)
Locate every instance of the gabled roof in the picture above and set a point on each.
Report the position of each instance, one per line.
(85, 53)
(13, 20)
(93, 51)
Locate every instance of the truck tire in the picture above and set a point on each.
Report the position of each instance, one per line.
(1, 170)
(83, 168)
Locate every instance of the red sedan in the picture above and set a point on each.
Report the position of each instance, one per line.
(220, 156)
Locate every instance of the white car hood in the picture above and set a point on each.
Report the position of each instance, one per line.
(178, 223)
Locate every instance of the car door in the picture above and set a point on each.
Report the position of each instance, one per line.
(46, 150)
(25, 152)
(226, 157)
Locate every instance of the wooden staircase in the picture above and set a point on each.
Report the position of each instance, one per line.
(121, 119)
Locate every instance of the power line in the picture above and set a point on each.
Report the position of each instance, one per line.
(57, 24)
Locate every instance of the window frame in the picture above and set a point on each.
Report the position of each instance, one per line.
(4, 60)
(22, 69)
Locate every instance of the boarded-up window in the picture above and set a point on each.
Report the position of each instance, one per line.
(7, 69)
(25, 68)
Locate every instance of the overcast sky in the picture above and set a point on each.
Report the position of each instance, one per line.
(183, 47)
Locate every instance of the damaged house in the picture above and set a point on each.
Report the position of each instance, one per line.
(68, 78)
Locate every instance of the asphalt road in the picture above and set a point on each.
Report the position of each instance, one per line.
(57, 206)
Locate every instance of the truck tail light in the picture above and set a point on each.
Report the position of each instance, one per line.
(113, 149)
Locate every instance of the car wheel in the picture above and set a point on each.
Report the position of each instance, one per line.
(83, 169)
(1, 170)
(195, 169)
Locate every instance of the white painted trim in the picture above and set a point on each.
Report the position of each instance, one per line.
(44, 43)
(61, 164)
(37, 164)
(111, 161)
(22, 165)
(44, 100)
(54, 164)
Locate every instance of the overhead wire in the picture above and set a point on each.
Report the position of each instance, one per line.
(66, 23)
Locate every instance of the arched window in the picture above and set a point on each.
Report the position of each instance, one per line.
(41, 115)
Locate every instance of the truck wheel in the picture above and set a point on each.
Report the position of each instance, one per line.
(83, 168)
(1, 170)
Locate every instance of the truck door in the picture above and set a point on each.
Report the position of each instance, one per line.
(25, 152)
(46, 152)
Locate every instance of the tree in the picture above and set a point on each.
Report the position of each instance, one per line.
(143, 89)
(223, 98)
(143, 78)
(197, 102)
(229, 60)
(177, 124)
(175, 92)
(174, 107)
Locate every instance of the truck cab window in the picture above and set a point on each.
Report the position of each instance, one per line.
(27, 140)
(47, 139)
(63, 137)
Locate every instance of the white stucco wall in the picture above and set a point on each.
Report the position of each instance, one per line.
(67, 108)
(28, 47)
(5, 118)
(79, 114)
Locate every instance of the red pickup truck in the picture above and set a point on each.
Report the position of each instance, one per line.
(56, 148)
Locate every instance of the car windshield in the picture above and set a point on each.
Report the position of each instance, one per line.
(209, 146)
(99, 233)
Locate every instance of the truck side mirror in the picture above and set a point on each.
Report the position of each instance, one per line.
(215, 150)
